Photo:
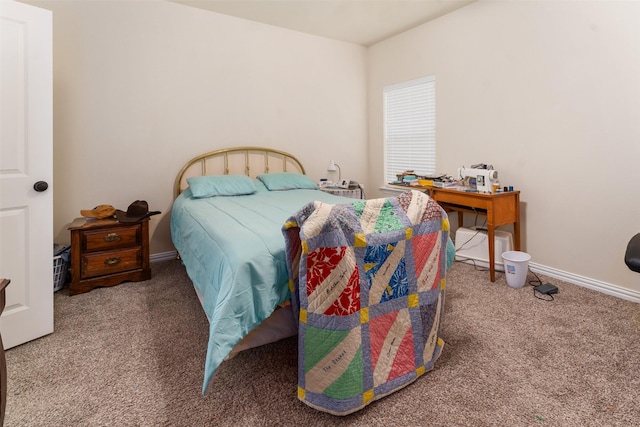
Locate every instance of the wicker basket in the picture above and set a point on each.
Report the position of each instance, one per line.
(59, 272)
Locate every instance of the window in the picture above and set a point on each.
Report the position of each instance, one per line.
(410, 127)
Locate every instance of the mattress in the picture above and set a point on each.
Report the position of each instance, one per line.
(234, 253)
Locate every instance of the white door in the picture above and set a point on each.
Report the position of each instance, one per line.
(26, 157)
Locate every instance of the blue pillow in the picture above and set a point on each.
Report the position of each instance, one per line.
(220, 185)
(286, 181)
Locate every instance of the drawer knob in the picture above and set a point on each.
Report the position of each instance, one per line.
(110, 262)
(112, 237)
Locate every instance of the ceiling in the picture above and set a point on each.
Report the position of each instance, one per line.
(363, 22)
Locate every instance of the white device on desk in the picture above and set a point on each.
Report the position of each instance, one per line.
(344, 183)
(340, 184)
(484, 178)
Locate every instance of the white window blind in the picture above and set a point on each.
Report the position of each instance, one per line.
(410, 127)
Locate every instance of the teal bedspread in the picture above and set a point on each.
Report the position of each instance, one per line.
(234, 254)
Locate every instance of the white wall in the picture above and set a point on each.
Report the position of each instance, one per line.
(549, 93)
(140, 87)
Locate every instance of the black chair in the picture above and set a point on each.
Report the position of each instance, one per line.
(632, 256)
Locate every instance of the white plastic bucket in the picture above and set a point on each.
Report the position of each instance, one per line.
(516, 266)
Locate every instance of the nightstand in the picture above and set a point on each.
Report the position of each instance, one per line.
(353, 193)
(105, 252)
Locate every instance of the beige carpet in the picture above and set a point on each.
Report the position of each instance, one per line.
(133, 355)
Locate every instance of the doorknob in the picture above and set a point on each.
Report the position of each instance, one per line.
(40, 186)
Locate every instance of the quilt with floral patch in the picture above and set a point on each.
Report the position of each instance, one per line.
(367, 280)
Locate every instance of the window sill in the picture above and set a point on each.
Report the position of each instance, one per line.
(393, 190)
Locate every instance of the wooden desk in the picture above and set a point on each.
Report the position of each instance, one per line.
(500, 209)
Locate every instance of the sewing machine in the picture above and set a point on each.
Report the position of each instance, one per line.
(484, 178)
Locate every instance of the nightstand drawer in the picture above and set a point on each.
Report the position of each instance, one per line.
(110, 262)
(115, 237)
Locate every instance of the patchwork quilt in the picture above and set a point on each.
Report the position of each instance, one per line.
(367, 280)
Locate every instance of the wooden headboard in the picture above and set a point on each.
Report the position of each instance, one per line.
(251, 161)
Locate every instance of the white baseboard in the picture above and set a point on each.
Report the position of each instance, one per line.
(586, 282)
(163, 256)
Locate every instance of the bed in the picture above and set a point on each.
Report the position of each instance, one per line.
(232, 246)
(227, 224)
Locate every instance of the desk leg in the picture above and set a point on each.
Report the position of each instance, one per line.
(492, 252)
(516, 222)
(460, 219)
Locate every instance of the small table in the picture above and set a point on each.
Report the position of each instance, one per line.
(500, 209)
(3, 360)
(352, 193)
(105, 252)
